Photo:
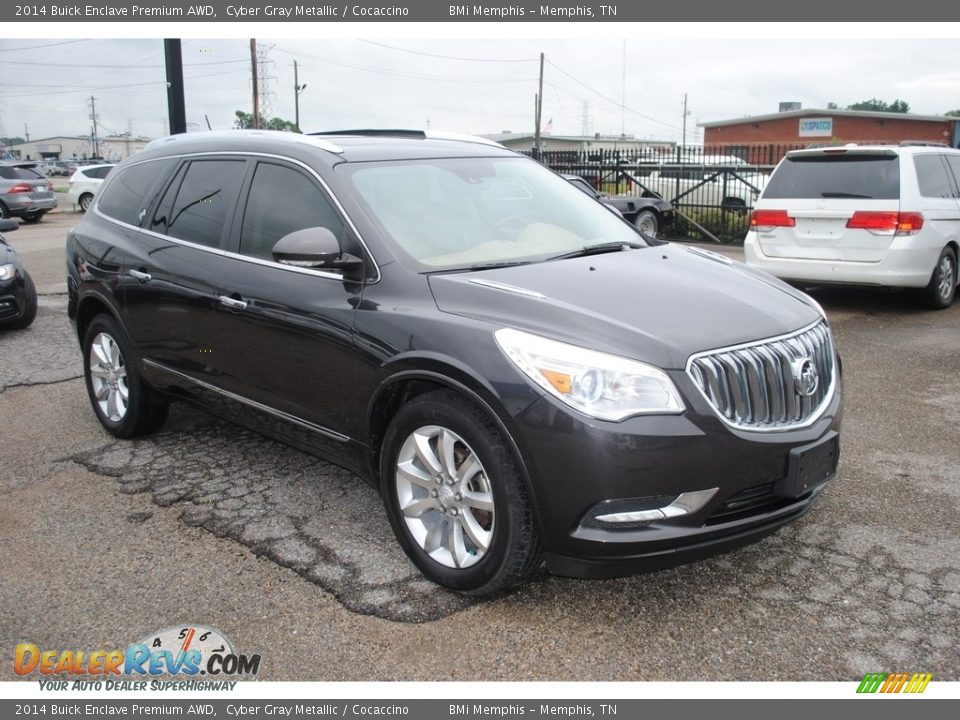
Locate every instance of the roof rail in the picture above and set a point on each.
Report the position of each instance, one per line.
(375, 132)
(282, 135)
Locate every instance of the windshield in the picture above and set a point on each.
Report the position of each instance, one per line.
(465, 212)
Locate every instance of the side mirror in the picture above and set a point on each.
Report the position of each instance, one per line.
(314, 247)
(9, 225)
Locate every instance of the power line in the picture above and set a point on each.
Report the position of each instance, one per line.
(37, 47)
(447, 57)
(138, 66)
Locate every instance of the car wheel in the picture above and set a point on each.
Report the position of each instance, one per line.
(30, 310)
(648, 223)
(4, 213)
(85, 201)
(32, 217)
(735, 205)
(123, 402)
(455, 497)
(943, 282)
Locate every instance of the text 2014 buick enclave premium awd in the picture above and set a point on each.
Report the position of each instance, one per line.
(520, 374)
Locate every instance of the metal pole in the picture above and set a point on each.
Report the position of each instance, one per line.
(93, 116)
(684, 120)
(296, 97)
(256, 93)
(536, 136)
(176, 106)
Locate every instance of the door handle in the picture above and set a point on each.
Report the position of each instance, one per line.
(138, 275)
(232, 302)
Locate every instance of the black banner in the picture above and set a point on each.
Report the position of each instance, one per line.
(456, 11)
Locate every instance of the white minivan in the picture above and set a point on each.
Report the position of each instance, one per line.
(862, 214)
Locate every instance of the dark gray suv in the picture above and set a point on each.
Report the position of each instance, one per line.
(512, 366)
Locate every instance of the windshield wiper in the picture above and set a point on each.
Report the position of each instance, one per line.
(598, 249)
(845, 195)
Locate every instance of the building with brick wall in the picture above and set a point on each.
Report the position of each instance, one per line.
(764, 139)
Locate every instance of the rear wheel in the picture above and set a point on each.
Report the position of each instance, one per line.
(943, 282)
(124, 404)
(85, 201)
(32, 217)
(648, 223)
(4, 213)
(455, 497)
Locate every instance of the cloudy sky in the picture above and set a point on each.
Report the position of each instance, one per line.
(476, 86)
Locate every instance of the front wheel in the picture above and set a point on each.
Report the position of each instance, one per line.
(455, 497)
(938, 294)
(124, 404)
(648, 223)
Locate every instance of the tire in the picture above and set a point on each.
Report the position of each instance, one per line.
(735, 205)
(940, 292)
(85, 201)
(30, 313)
(648, 223)
(4, 213)
(114, 372)
(469, 530)
(33, 217)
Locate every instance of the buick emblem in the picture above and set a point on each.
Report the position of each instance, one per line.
(805, 376)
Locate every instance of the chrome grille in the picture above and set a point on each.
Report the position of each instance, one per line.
(753, 386)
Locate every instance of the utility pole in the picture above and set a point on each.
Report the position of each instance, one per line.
(95, 141)
(536, 133)
(176, 106)
(297, 89)
(256, 93)
(26, 132)
(685, 113)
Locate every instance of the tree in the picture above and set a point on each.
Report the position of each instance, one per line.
(875, 105)
(244, 121)
(12, 141)
(832, 106)
(952, 113)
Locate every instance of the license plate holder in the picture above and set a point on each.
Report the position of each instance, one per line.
(811, 465)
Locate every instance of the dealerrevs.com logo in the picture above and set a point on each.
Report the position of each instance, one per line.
(911, 683)
(191, 651)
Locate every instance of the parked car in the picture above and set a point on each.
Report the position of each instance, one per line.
(18, 296)
(85, 182)
(706, 181)
(650, 215)
(513, 367)
(870, 214)
(25, 192)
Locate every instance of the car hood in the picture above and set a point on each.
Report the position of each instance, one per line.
(658, 305)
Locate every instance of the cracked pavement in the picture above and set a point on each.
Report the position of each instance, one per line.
(104, 541)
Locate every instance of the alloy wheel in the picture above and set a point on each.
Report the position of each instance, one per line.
(108, 377)
(946, 277)
(445, 496)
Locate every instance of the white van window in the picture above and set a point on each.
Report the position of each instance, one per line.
(859, 175)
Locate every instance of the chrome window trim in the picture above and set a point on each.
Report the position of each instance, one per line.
(508, 288)
(814, 416)
(238, 256)
(252, 403)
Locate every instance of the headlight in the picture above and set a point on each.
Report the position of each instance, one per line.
(606, 387)
(7, 271)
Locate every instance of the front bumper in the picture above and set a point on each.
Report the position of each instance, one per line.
(13, 299)
(577, 464)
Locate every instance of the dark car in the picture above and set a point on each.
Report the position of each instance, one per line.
(512, 366)
(18, 296)
(25, 192)
(650, 215)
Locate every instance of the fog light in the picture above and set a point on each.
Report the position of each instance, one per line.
(645, 510)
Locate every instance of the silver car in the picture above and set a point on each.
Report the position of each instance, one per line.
(25, 192)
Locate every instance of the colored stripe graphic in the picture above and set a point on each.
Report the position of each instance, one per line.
(894, 682)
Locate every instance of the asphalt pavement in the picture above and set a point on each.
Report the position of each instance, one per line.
(105, 541)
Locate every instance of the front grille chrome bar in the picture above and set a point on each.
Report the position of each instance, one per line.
(781, 383)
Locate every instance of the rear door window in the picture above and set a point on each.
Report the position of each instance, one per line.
(196, 204)
(932, 177)
(953, 162)
(854, 175)
(128, 195)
